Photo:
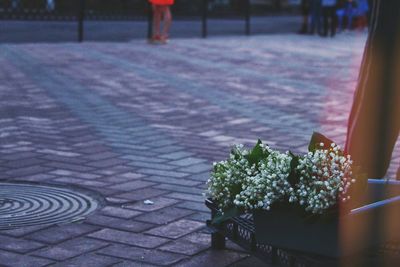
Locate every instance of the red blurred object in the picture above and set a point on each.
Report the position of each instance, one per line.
(162, 2)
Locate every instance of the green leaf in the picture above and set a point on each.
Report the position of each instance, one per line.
(228, 214)
(236, 153)
(316, 140)
(293, 177)
(256, 154)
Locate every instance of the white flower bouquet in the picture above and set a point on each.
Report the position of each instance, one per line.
(316, 183)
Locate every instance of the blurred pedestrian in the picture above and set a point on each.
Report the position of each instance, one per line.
(374, 122)
(346, 12)
(361, 12)
(315, 17)
(329, 17)
(305, 11)
(161, 15)
(50, 5)
(15, 4)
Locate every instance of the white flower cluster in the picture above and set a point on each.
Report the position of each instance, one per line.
(324, 179)
(228, 176)
(268, 183)
(237, 182)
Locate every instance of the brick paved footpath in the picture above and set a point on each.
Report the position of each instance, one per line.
(135, 121)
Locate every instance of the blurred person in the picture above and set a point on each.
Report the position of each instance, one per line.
(51, 5)
(315, 16)
(374, 121)
(305, 11)
(346, 11)
(161, 14)
(15, 4)
(329, 17)
(362, 12)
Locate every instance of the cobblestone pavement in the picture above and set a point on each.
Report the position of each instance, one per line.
(134, 122)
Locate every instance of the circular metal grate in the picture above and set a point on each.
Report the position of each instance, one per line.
(27, 205)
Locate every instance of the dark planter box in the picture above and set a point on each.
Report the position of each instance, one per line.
(366, 227)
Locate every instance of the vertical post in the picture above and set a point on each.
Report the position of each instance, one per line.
(247, 16)
(374, 125)
(204, 19)
(149, 21)
(217, 239)
(81, 17)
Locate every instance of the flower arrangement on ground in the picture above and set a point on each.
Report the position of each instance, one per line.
(315, 183)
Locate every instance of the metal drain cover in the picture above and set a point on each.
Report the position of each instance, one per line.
(27, 205)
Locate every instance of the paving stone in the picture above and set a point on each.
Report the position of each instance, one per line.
(141, 194)
(120, 169)
(91, 148)
(182, 189)
(217, 258)
(196, 168)
(116, 201)
(119, 224)
(9, 259)
(144, 159)
(166, 149)
(32, 170)
(119, 212)
(102, 155)
(162, 173)
(89, 260)
(70, 180)
(132, 175)
(18, 245)
(57, 234)
(164, 216)
(70, 249)
(20, 232)
(133, 185)
(107, 163)
(143, 255)
(106, 191)
(200, 216)
(25, 163)
(190, 197)
(80, 175)
(37, 177)
(189, 161)
(69, 166)
(169, 180)
(176, 229)
(197, 206)
(199, 237)
(20, 155)
(151, 165)
(184, 247)
(176, 155)
(140, 240)
(203, 177)
(158, 203)
(59, 153)
(115, 179)
(133, 264)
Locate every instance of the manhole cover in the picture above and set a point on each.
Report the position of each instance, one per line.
(26, 205)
